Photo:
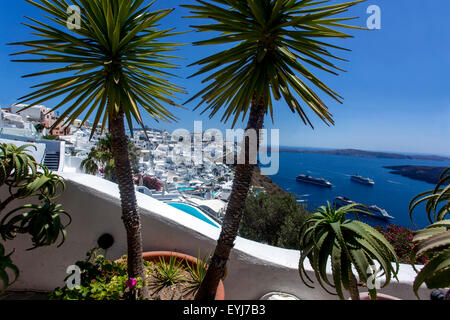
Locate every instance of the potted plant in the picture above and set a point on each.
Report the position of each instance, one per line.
(434, 240)
(329, 235)
(195, 266)
(169, 276)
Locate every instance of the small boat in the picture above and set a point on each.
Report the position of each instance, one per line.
(374, 211)
(316, 181)
(362, 180)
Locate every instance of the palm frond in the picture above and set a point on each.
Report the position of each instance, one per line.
(272, 44)
(115, 58)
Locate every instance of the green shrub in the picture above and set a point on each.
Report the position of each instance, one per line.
(50, 137)
(101, 279)
(273, 219)
(21, 177)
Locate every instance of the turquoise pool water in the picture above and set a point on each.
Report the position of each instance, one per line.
(192, 211)
(186, 189)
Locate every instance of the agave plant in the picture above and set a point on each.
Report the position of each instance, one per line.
(328, 236)
(109, 67)
(270, 45)
(169, 272)
(198, 270)
(6, 263)
(16, 164)
(25, 179)
(437, 201)
(42, 222)
(433, 241)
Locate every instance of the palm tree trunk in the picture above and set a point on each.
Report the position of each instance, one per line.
(130, 214)
(233, 216)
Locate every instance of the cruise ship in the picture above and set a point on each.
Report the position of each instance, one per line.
(316, 181)
(362, 180)
(374, 211)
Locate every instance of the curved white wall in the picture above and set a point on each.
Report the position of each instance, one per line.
(253, 270)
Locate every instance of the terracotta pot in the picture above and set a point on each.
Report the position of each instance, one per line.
(154, 256)
(380, 296)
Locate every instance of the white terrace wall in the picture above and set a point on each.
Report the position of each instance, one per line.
(254, 269)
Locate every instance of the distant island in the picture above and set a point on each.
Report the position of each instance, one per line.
(368, 154)
(422, 173)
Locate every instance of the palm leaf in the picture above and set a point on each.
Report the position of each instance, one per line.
(271, 42)
(95, 77)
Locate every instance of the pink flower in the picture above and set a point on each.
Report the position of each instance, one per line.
(131, 283)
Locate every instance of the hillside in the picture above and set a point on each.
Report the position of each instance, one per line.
(259, 180)
(422, 173)
(368, 154)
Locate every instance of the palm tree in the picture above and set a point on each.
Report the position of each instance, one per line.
(114, 65)
(102, 154)
(270, 44)
(434, 240)
(90, 164)
(329, 235)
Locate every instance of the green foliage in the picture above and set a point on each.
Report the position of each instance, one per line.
(43, 223)
(50, 137)
(101, 155)
(198, 270)
(6, 263)
(39, 127)
(169, 273)
(113, 62)
(433, 241)
(101, 279)
(437, 201)
(328, 234)
(271, 42)
(272, 219)
(23, 178)
(16, 164)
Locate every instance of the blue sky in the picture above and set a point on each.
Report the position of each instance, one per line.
(396, 89)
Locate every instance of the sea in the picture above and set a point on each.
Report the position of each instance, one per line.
(391, 192)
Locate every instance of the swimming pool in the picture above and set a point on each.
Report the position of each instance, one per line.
(186, 189)
(192, 211)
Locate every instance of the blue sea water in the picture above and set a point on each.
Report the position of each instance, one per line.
(391, 192)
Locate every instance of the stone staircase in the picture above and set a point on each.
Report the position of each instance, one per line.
(51, 161)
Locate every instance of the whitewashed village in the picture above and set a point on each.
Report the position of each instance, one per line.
(194, 183)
